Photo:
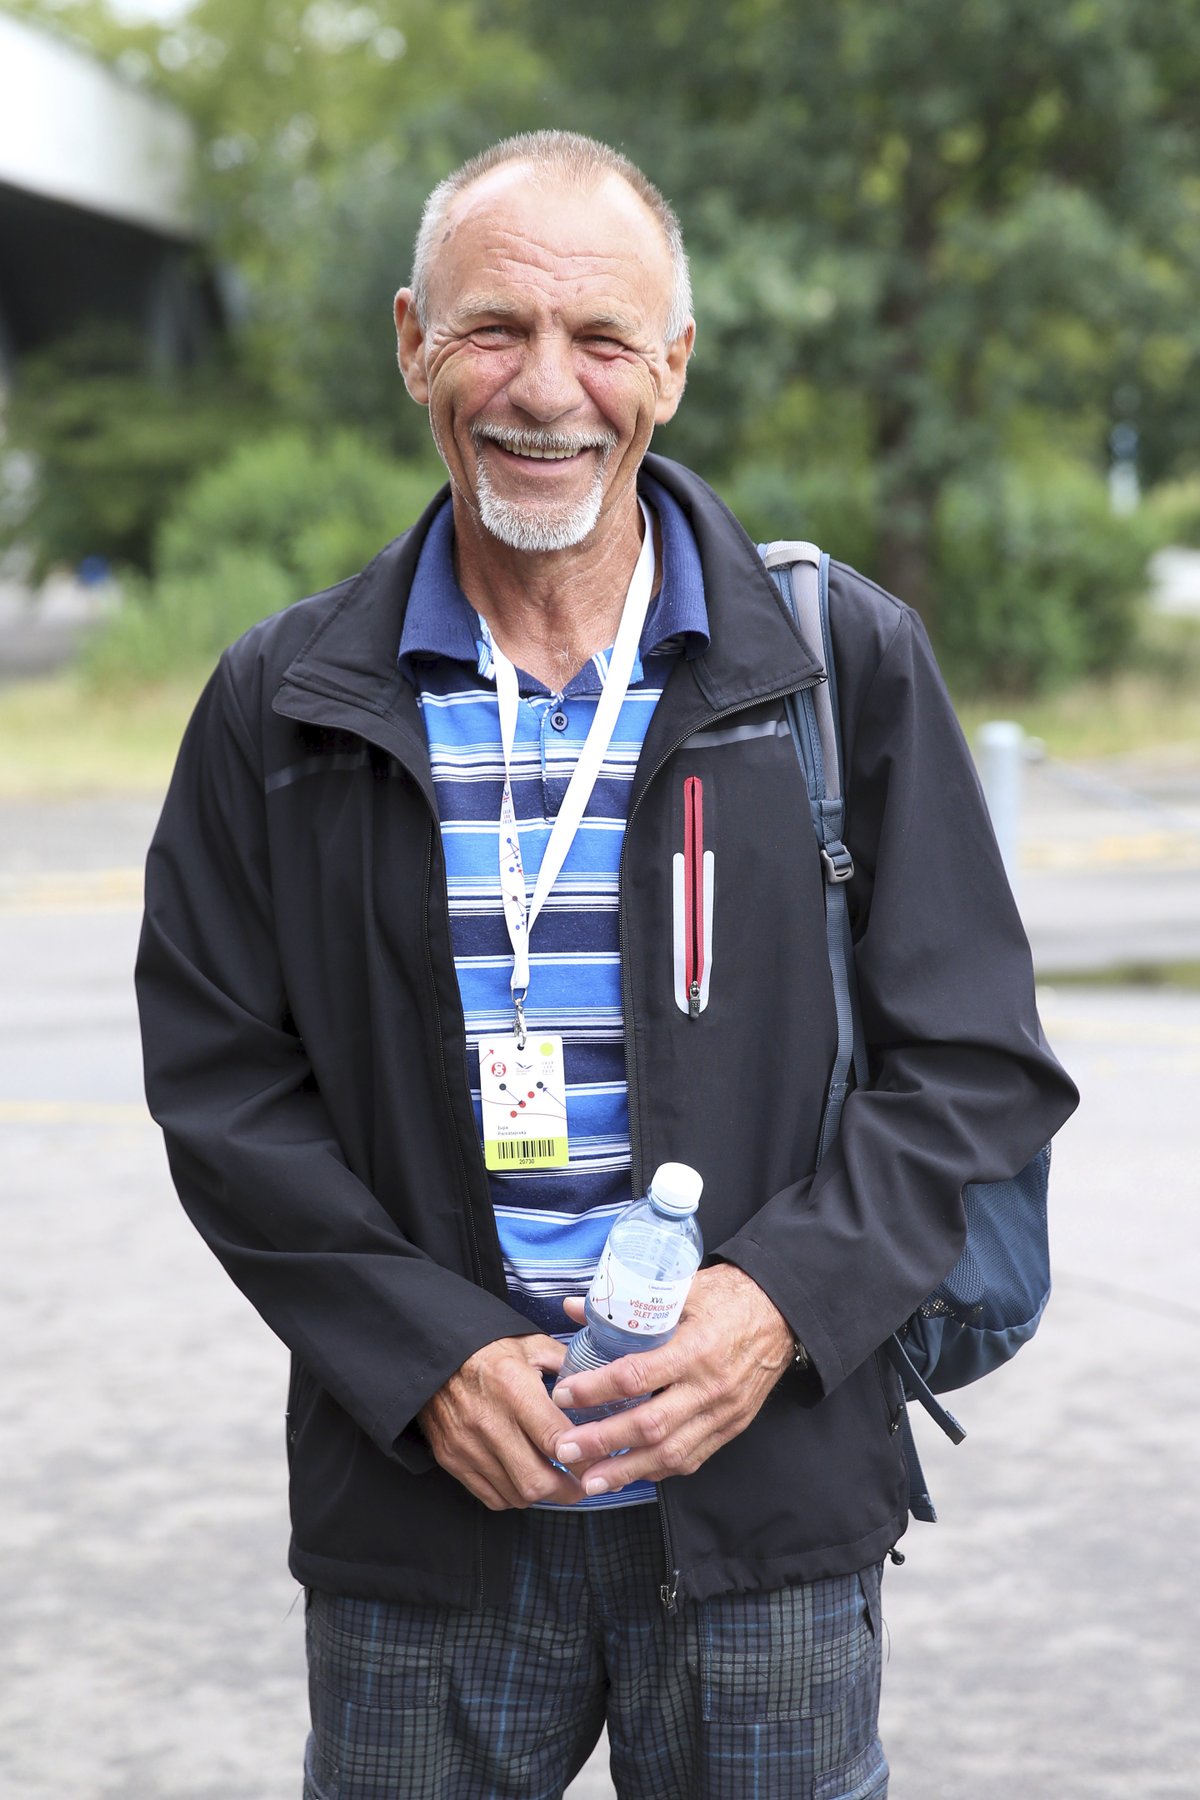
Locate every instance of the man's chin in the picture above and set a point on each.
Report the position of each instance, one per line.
(522, 525)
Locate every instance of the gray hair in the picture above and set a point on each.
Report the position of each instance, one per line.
(570, 157)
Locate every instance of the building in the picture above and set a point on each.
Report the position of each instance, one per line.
(97, 217)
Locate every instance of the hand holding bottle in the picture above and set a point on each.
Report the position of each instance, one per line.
(705, 1386)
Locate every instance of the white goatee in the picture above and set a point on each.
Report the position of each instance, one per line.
(540, 525)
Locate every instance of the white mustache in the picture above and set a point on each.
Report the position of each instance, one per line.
(561, 443)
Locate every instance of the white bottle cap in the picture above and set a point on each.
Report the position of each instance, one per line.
(676, 1189)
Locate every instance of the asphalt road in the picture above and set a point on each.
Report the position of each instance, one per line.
(1043, 1636)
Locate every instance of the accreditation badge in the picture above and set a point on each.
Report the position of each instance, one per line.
(524, 1095)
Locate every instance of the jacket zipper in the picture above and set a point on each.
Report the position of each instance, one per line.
(693, 890)
(668, 1592)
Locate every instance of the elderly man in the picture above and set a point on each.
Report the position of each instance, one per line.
(573, 648)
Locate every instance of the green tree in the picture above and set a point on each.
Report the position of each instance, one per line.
(110, 447)
(931, 219)
(925, 238)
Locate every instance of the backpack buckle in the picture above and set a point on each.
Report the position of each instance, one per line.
(839, 864)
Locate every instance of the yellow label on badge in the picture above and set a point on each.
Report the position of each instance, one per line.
(524, 1104)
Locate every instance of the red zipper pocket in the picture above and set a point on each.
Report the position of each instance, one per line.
(693, 890)
(693, 898)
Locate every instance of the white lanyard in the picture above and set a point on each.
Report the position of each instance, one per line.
(519, 911)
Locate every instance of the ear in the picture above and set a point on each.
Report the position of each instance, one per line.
(410, 347)
(675, 379)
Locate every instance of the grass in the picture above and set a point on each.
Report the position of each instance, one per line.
(1153, 705)
(60, 736)
(69, 734)
(1135, 713)
(1184, 975)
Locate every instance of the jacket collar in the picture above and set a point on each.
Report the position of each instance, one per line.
(441, 622)
(346, 675)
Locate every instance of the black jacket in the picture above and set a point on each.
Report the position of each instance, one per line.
(305, 1055)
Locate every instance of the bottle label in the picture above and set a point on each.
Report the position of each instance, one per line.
(630, 1302)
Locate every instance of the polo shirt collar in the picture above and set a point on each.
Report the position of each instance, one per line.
(440, 620)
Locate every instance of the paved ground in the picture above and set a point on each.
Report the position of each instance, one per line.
(40, 634)
(1043, 1636)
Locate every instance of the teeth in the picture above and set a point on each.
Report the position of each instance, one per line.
(547, 455)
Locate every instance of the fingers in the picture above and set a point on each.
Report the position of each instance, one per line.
(706, 1386)
(516, 1485)
(627, 1378)
(669, 1424)
(660, 1449)
(493, 1427)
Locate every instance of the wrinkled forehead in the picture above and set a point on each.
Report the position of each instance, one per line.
(531, 225)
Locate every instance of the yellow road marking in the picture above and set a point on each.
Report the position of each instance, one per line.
(1151, 849)
(71, 1112)
(120, 889)
(1121, 1033)
(72, 890)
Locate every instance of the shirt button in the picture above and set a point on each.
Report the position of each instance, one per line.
(559, 720)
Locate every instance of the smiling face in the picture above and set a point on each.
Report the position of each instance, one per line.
(542, 359)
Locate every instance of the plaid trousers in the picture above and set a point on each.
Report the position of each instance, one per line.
(767, 1695)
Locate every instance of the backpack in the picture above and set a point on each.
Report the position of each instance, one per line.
(992, 1300)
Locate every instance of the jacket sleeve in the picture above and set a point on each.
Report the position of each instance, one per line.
(963, 1086)
(252, 1151)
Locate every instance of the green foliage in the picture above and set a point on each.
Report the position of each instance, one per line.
(832, 505)
(280, 518)
(182, 622)
(1175, 510)
(110, 447)
(924, 238)
(942, 215)
(317, 511)
(1042, 583)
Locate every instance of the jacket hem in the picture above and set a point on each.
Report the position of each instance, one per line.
(383, 1581)
(749, 1575)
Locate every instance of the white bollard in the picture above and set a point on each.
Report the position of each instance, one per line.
(1001, 759)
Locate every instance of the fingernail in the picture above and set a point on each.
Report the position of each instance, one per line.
(569, 1453)
(562, 1396)
(597, 1485)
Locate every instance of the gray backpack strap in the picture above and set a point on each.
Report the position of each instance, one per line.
(801, 573)
(809, 572)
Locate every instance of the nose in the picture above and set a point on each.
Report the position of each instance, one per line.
(545, 385)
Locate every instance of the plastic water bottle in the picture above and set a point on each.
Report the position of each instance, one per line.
(641, 1282)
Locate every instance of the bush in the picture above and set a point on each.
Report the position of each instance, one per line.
(108, 449)
(1175, 511)
(830, 505)
(1038, 580)
(279, 519)
(317, 511)
(180, 624)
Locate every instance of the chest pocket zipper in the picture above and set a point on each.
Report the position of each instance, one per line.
(693, 882)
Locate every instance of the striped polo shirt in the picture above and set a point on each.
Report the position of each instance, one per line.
(552, 1223)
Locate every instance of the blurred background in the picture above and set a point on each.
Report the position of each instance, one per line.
(946, 264)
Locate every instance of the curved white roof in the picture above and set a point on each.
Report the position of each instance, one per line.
(72, 130)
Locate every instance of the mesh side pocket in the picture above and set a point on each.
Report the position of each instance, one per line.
(1003, 1274)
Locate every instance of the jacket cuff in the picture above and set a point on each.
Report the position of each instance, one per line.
(823, 1369)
